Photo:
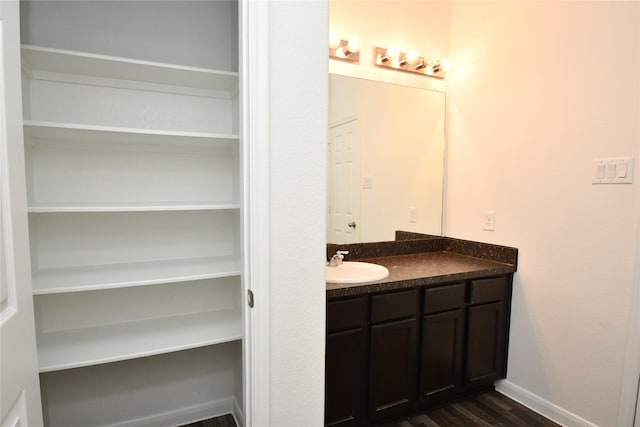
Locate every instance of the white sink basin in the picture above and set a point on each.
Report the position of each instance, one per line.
(355, 272)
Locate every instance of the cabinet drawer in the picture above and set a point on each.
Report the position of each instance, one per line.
(393, 306)
(345, 314)
(444, 298)
(487, 290)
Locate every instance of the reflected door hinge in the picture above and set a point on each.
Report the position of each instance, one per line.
(250, 298)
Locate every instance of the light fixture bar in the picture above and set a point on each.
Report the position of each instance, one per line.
(410, 62)
(345, 50)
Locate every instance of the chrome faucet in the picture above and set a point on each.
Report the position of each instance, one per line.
(337, 258)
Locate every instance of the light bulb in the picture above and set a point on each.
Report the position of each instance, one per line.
(412, 57)
(445, 64)
(334, 41)
(353, 46)
(393, 53)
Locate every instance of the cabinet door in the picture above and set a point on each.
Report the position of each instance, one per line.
(344, 378)
(393, 372)
(442, 349)
(486, 329)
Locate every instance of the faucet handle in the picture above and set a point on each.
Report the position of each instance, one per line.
(337, 258)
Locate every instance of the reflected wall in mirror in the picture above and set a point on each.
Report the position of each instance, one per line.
(385, 160)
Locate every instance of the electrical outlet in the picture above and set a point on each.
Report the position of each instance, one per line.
(413, 214)
(489, 221)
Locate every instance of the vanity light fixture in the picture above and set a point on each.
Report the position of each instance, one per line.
(410, 61)
(345, 50)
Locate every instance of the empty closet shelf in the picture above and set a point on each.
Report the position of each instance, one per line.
(89, 278)
(128, 340)
(43, 59)
(92, 135)
(129, 207)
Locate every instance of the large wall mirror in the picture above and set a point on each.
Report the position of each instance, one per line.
(385, 160)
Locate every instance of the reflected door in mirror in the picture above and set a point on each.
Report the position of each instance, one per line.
(344, 177)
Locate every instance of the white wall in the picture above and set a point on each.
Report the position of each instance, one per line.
(537, 91)
(298, 134)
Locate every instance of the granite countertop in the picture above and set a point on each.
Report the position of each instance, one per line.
(420, 269)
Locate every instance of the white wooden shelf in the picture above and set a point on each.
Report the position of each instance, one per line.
(130, 207)
(38, 59)
(129, 340)
(84, 168)
(71, 132)
(90, 278)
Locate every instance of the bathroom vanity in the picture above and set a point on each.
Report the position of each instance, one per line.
(435, 329)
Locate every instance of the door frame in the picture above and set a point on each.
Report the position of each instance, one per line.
(254, 96)
(629, 407)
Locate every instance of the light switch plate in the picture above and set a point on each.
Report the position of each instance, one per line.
(489, 221)
(413, 214)
(613, 170)
(367, 182)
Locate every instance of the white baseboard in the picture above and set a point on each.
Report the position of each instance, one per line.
(541, 406)
(187, 415)
(237, 413)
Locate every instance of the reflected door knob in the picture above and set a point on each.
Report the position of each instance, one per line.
(352, 224)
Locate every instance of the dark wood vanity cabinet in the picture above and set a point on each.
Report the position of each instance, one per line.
(485, 337)
(393, 353)
(345, 367)
(442, 351)
(487, 330)
(393, 369)
(464, 337)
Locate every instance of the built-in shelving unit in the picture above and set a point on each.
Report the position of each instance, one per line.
(134, 200)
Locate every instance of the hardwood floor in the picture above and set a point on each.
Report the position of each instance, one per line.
(490, 409)
(223, 421)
